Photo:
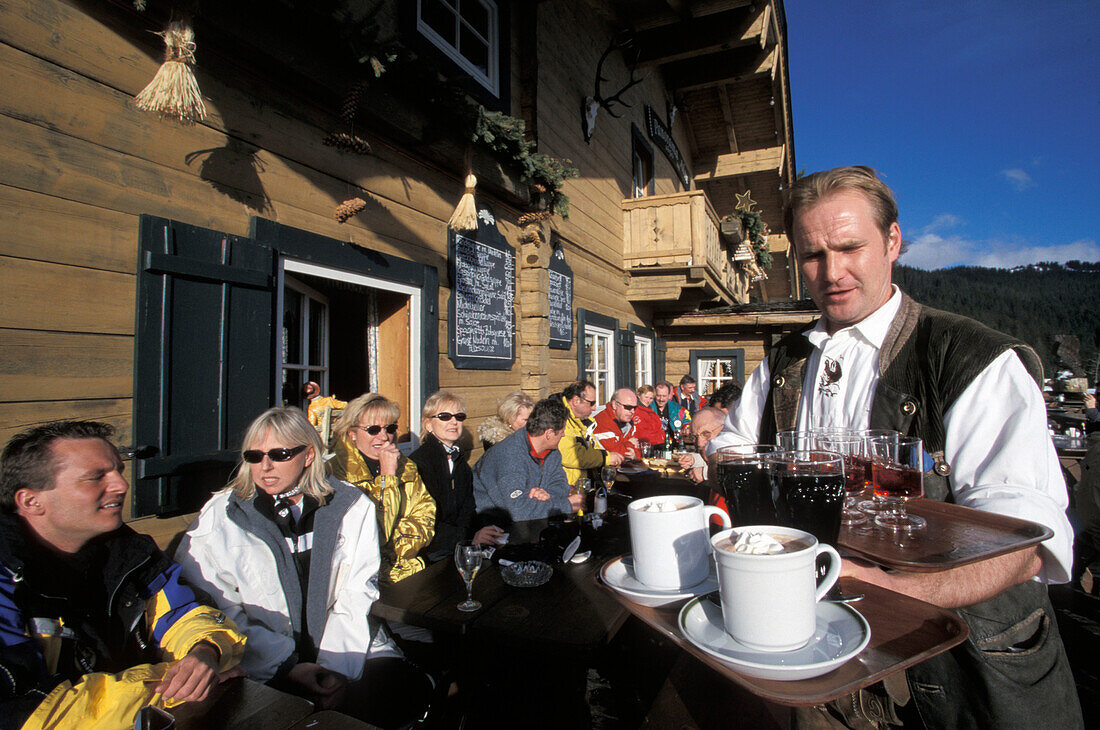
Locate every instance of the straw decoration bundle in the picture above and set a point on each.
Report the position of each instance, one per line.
(465, 216)
(174, 91)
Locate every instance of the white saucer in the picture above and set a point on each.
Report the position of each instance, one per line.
(841, 634)
(618, 574)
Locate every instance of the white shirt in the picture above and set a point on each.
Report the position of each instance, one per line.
(1001, 456)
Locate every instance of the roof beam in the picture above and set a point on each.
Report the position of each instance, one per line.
(741, 163)
(739, 64)
(700, 36)
(697, 9)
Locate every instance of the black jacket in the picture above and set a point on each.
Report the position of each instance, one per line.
(453, 493)
(123, 569)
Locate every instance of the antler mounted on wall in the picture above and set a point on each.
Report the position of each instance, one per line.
(590, 106)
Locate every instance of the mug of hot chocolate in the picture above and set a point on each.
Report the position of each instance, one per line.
(767, 580)
(669, 539)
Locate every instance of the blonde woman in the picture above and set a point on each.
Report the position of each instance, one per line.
(292, 557)
(511, 416)
(444, 468)
(366, 455)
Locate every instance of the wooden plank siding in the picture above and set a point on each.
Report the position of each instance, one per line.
(81, 164)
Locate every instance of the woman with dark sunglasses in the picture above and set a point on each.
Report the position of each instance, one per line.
(444, 468)
(292, 557)
(366, 455)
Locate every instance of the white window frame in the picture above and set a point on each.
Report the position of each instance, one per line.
(416, 306)
(309, 297)
(490, 80)
(719, 380)
(591, 330)
(643, 361)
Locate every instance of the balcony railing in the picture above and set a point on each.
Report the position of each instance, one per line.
(674, 252)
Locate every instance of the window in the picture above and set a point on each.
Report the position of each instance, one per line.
(599, 361)
(643, 164)
(715, 368)
(467, 32)
(305, 340)
(643, 360)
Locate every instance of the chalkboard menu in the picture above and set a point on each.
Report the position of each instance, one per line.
(482, 307)
(561, 301)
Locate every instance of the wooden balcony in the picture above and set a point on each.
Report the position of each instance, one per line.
(674, 253)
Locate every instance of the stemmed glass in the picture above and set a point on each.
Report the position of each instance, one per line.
(795, 440)
(898, 474)
(876, 505)
(849, 445)
(468, 559)
(607, 475)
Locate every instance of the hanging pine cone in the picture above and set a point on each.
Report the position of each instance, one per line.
(349, 208)
(350, 108)
(537, 217)
(348, 143)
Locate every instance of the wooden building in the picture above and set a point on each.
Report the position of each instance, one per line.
(175, 279)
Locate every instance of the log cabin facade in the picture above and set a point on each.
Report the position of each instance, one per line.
(174, 280)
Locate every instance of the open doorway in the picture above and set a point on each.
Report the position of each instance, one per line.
(351, 334)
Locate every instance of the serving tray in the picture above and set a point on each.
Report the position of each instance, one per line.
(954, 536)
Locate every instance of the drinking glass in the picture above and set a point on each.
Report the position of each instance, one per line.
(795, 440)
(645, 448)
(468, 559)
(898, 475)
(688, 440)
(849, 445)
(876, 505)
(810, 493)
(607, 475)
(584, 488)
(741, 477)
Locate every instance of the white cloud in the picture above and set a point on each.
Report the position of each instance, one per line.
(930, 251)
(943, 222)
(1019, 179)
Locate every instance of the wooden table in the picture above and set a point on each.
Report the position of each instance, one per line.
(242, 704)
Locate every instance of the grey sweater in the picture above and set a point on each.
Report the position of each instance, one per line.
(507, 473)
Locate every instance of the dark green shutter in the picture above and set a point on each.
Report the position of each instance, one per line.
(204, 359)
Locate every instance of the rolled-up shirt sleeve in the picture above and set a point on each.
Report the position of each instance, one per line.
(743, 420)
(1003, 459)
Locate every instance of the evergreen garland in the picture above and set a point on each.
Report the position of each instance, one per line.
(756, 231)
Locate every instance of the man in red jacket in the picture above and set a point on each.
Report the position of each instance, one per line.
(615, 424)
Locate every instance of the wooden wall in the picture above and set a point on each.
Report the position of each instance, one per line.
(571, 38)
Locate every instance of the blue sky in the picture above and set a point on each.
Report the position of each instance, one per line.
(982, 115)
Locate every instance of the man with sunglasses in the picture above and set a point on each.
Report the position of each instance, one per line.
(581, 452)
(615, 425)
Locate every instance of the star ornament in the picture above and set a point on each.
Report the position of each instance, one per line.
(744, 201)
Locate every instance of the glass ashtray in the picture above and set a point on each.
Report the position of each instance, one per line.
(526, 574)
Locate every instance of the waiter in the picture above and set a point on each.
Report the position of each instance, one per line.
(878, 359)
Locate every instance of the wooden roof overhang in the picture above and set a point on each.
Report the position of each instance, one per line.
(770, 318)
(725, 65)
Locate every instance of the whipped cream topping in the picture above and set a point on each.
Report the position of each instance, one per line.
(662, 507)
(757, 543)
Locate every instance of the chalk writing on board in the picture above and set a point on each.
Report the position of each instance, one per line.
(484, 289)
(561, 306)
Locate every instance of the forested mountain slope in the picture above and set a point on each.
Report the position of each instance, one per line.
(1033, 303)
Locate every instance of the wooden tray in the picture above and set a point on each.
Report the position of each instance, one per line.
(954, 536)
(904, 632)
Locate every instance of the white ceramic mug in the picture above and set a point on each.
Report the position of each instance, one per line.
(671, 546)
(769, 602)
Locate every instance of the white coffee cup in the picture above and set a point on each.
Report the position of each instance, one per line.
(670, 540)
(769, 602)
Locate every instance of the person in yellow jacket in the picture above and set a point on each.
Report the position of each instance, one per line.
(366, 455)
(579, 451)
(94, 619)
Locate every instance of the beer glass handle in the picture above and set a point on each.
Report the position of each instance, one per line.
(831, 574)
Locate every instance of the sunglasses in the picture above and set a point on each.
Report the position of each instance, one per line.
(376, 429)
(624, 405)
(444, 416)
(255, 456)
(589, 402)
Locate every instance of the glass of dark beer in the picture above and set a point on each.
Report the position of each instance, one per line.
(810, 494)
(849, 445)
(741, 477)
(898, 474)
